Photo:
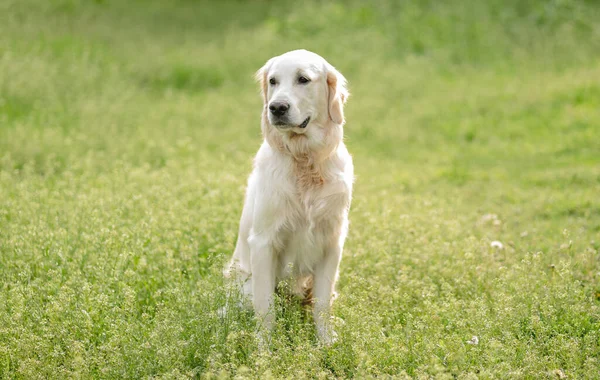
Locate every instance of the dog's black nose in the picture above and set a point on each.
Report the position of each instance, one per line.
(279, 108)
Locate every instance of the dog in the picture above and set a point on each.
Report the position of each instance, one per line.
(295, 217)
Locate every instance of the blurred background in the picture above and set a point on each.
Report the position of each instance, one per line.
(461, 74)
(126, 135)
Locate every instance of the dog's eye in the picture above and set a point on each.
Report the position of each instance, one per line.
(272, 81)
(303, 80)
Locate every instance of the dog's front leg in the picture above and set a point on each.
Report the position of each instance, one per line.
(263, 279)
(325, 277)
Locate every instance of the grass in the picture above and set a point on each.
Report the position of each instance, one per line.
(126, 136)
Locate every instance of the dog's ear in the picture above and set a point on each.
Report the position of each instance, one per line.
(338, 94)
(261, 78)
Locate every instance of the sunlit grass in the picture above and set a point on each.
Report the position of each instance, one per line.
(126, 135)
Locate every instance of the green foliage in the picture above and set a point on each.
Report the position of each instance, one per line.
(126, 136)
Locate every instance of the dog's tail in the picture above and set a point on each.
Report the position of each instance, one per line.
(304, 288)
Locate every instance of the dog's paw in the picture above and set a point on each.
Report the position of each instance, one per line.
(327, 335)
(263, 341)
(222, 312)
(328, 338)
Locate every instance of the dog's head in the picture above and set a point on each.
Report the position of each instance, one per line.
(301, 91)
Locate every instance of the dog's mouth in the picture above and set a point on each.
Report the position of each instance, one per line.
(304, 123)
(282, 123)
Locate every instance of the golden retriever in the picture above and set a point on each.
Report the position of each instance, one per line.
(295, 216)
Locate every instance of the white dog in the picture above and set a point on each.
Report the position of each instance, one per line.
(295, 217)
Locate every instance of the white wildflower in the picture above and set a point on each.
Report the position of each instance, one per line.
(559, 373)
(497, 244)
(490, 219)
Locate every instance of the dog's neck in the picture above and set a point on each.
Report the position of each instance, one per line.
(308, 157)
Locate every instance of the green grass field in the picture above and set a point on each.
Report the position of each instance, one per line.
(127, 130)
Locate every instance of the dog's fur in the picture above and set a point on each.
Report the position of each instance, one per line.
(295, 217)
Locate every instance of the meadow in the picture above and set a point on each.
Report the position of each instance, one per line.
(127, 130)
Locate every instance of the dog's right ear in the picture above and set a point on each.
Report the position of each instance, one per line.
(261, 78)
(269, 133)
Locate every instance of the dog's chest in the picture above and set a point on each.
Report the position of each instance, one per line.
(304, 247)
(305, 234)
(313, 204)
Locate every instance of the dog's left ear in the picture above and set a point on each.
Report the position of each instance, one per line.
(338, 94)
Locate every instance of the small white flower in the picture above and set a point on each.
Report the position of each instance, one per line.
(497, 244)
(474, 340)
(488, 218)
